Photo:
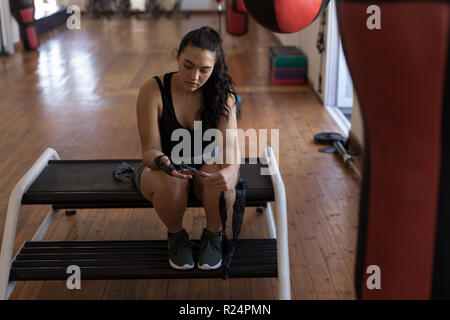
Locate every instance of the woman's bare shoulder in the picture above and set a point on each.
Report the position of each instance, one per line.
(151, 87)
(149, 93)
(231, 99)
(150, 84)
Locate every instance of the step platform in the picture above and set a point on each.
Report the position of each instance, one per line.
(287, 65)
(140, 259)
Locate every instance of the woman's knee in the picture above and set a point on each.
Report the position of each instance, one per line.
(163, 187)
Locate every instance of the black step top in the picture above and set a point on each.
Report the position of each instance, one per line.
(90, 184)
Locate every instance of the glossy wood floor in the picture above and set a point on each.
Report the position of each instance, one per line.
(78, 94)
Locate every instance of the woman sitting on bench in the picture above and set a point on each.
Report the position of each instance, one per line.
(203, 91)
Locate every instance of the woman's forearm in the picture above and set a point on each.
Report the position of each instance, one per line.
(148, 156)
(230, 169)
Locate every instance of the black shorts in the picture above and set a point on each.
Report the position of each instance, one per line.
(137, 176)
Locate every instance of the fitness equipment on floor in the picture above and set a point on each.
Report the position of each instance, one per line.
(97, 8)
(84, 184)
(177, 12)
(152, 11)
(122, 9)
(108, 8)
(337, 142)
(287, 65)
(90, 9)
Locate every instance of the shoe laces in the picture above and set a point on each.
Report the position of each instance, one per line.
(210, 240)
(180, 243)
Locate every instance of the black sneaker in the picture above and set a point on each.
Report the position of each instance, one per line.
(210, 250)
(180, 250)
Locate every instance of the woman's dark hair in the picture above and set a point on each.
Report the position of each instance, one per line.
(219, 85)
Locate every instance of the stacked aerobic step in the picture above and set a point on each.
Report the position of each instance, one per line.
(287, 65)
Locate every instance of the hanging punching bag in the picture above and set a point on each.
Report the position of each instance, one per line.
(398, 56)
(23, 12)
(285, 16)
(238, 6)
(236, 18)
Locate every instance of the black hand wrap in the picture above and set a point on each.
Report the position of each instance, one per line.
(161, 165)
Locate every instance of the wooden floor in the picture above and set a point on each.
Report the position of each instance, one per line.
(78, 94)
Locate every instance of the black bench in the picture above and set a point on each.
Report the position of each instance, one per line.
(82, 184)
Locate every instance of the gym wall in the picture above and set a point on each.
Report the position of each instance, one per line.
(81, 3)
(306, 41)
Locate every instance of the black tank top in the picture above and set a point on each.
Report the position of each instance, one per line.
(168, 123)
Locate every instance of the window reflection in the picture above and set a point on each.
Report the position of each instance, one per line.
(44, 8)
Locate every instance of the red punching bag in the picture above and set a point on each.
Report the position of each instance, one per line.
(23, 12)
(285, 16)
(237, 18)
(238, 6)
(401, 73)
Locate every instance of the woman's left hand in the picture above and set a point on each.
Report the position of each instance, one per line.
(219, 181)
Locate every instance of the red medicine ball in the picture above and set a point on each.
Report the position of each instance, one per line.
(285, 16)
